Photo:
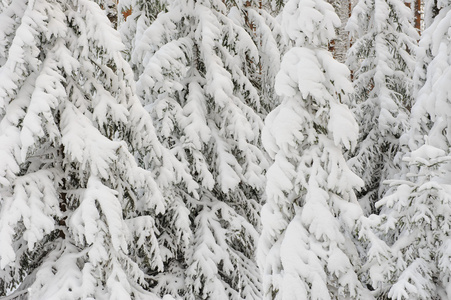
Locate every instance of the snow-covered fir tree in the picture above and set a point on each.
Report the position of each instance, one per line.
(382, 58)
(195, 63)
(258, 18)
(415, 218)
(77, 214)
(424, 56)
(143, 13)
(415, 262)
(307, 249)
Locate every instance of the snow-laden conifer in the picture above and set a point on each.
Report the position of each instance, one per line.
(307, 249)
(195, 66)
(77, 214)
(415, 218)
(431, 82)
(258, 18)
(382, 58)
(143, 13)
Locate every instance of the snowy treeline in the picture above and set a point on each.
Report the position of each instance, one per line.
(225, 149)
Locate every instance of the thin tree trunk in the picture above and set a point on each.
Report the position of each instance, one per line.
(341, 44)
(418, 14)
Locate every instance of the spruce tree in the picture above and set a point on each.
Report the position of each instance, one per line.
(143, 13)
(258, 18)
(415, 217)
(307, 249)
(382, 58)
(194, 65)
(414, 261)
(77, 214)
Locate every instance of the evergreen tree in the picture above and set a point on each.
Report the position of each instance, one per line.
(414, 263)
(307, 249)
(383, 64)
(195, 63)
(77, 214)
(143, 13)
(424, 57)
(258, 18)
(415, 217)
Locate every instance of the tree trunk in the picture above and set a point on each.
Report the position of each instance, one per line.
(341, 44)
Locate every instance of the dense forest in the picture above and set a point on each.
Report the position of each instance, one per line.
(225, 149)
